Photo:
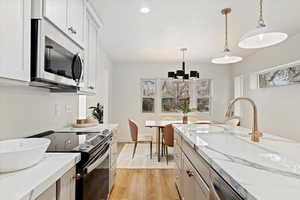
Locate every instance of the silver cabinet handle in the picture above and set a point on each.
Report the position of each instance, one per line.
(91, 87)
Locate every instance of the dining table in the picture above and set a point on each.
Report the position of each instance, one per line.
(160, 124)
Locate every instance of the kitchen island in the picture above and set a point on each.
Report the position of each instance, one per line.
(268, 170)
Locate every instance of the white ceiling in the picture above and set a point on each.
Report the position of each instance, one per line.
(132, 37)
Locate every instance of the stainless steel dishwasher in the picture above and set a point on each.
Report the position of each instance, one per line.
(220, 190)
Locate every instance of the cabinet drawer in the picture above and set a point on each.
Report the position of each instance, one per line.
(197, 161)
(198, 186)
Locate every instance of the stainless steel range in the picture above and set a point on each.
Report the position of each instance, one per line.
(92, 172)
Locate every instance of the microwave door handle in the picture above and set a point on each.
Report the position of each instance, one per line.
(95, 164)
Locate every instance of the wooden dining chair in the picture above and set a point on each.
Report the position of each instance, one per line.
(138, 139)
(233, 122)
(168, 139)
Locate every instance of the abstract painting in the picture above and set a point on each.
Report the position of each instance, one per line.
(288, 75)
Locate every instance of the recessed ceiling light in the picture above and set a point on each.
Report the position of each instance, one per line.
(145, 10)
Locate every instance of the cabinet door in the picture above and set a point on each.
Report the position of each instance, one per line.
(15, 39)
(56, 12)
(49, 194)
(194, 186)
(76, 12)
(92, 52)
(66, 186)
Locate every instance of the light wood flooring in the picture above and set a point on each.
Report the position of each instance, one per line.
(144, 184)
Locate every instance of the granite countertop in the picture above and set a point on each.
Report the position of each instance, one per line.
(29, 183)
(268, 170)
(93, 129)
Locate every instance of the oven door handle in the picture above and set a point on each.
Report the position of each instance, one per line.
(95, 164)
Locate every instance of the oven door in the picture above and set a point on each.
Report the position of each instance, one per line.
(95, 181)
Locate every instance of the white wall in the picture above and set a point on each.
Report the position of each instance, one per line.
(126, 99)
(278, 108)
(26, 111)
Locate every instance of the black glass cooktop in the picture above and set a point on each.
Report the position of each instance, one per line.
(72, 142)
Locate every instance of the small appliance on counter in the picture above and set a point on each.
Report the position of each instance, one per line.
(92, 172)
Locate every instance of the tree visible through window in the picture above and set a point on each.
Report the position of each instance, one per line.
(172, 93)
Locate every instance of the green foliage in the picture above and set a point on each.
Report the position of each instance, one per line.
(97, 112)
(184, 106)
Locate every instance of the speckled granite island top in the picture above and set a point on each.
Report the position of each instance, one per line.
(269, 170)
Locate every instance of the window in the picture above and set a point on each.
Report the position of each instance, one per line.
(148, 90)
(172, 93)
(203, 95)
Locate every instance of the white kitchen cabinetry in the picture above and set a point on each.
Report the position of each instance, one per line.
(49, 194)
(66, 186)
(68, 16)
(192, 175)
(194, 186)
(15, 39)
(56, 12)
(91, 52)
(113, 160)
(76, 16)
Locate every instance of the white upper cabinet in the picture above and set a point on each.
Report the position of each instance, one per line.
(76, 12)
(15, 39)
(56, 12)
(68, 16)
(92, 51)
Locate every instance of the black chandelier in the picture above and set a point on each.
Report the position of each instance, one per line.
(180, 74)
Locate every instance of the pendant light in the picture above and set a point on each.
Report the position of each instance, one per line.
(262, 36)
(226, 57)
(180, 74)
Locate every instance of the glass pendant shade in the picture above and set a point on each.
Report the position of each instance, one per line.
(226, 57)
(261, 37)
(171, 75)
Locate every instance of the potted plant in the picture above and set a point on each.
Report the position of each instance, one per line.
(184, 106)
(97, 112)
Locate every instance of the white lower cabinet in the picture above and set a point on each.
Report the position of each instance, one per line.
(190, 184)
(66, 186)
(49, 194)
(113, 161)
(194, 186)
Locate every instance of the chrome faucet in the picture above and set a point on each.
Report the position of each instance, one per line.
(256, 134)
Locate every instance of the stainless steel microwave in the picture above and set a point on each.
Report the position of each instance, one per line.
(56, 61)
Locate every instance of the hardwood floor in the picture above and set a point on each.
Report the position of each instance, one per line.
(144, 184)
